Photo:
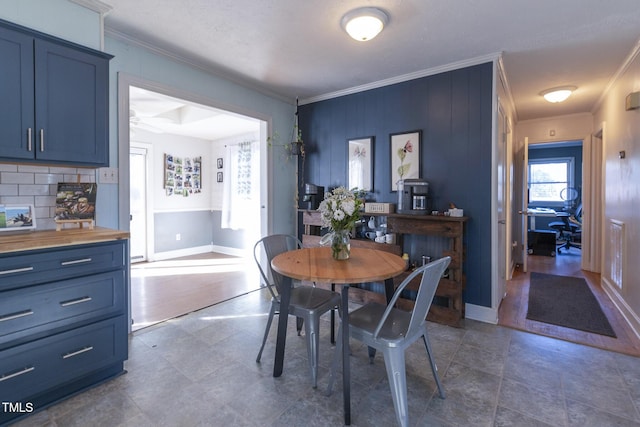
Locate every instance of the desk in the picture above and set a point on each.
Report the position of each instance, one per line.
(532, 213)
(317, 265)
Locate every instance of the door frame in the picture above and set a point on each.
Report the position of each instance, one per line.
(125, 81)
(149, 224)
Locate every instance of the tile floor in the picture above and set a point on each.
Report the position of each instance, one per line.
(200, 370)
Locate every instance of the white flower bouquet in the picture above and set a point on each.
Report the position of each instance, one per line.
(340, 209)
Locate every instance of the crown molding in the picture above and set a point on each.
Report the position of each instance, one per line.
(635, 51)
(199, 65)
(405, 77)
(95, 5)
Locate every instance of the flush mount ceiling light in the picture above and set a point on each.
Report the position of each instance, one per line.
(558, 94)
(365, 23)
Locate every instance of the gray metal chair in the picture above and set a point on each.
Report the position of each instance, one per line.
(307, 303)
(391, 331)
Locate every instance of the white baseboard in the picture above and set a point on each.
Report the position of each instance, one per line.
(229, 251)
(481, 313)
(161, 256)
(629, 315)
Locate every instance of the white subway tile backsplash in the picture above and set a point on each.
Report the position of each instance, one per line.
(8, 168)
(8, 190)
(45, 201)
(48, 178)
(17, 200)
(66, 170)
(16, 178)
(33, 190)
(37, 186)
(41, 212)
(33, 169)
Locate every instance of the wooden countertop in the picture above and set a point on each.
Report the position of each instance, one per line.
(25, 241)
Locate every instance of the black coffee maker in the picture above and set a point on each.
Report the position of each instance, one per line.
(413, 197)
(313, 195)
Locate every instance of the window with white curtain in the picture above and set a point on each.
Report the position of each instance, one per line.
(241, 192)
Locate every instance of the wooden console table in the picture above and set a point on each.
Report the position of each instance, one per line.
(448, 306)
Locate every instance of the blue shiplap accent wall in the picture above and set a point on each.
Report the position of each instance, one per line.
(454, 112)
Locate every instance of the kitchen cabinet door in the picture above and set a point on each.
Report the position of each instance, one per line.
(16, 95)
(71, 105)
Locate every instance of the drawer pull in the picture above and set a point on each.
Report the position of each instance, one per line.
(17, 270)
(5, 377)
(16, 315)
(76, 261)
(76, 353)
(75, 301)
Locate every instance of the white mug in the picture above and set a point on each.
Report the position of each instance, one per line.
(380, 239)
(379, 233)
(390, 238)
(370, 235)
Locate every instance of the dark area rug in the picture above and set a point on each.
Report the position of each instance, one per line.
(566, 301)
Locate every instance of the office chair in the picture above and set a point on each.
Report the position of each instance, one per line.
(569, 231)
(306, 302)
(391, 330)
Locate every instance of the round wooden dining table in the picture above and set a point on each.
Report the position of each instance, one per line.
(317, 265)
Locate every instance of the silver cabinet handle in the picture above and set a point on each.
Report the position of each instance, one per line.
(76, 353)
(17, 270)
(76, 261)
(5, 377)
(41, 139)
(16, 315)
(75, 301)
(29, 140)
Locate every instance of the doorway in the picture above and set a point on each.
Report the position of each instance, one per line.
(552, 198)
(138, 240)
(162, 121)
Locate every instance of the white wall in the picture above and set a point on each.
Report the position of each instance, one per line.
(622, 188)
(564, 128)
(60, 18)
(178, 146)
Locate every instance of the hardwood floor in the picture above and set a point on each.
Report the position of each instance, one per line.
(513, 310)
(163, 290)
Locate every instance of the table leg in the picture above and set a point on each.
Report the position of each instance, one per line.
(346, 367)
(333, 318)
(285, 297)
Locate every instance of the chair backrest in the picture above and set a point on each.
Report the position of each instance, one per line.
(431, 274)
(271, 246)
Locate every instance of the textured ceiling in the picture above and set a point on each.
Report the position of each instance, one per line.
(295, 48)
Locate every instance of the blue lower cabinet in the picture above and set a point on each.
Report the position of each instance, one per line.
(59, 337)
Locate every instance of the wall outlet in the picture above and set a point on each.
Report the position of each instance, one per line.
(108, 175)
(178, 236)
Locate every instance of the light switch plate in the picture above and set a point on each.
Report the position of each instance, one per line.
(108, 175)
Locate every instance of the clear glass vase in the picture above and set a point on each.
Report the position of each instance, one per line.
(340, 245)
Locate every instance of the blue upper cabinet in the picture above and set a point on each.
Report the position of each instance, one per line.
(16, 95)
(54, 101)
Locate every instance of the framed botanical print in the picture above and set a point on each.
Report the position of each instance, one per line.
(360, 163)
(405, 156)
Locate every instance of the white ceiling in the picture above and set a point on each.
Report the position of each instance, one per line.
(158, 113)
(296, 48)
